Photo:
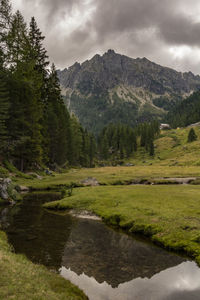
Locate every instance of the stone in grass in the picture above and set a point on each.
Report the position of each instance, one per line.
(90, 181)
(22, 189)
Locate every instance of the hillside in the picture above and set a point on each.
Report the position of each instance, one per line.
(115, 88)
(172, 149)
(186, 112)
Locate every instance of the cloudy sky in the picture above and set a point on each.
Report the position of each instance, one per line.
(165, 31)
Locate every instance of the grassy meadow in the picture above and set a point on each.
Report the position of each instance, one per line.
(111, 175)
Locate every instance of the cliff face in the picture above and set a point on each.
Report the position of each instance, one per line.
(116, 88)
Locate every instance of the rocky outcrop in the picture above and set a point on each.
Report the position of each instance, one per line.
(8, 192)
(113, 69)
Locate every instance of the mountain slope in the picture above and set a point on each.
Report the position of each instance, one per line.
(185, 112)
(116, 88)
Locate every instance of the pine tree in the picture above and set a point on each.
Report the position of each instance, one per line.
(92, 150)
(192, 136)
(5, 15)
(24, 123)
(38, 55)
(5, 20)
(151, 148)
(25, 112)
(58, 131)
(17, 40)
(4, 106)
(77, 140)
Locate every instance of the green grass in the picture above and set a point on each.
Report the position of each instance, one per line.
(21, 279)
(170, 216)
(172, 148)
(111, 175)
(3, 172)
(12, 169)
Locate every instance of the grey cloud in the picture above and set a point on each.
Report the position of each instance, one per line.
(133, 27)
(122, 16)
(54, 10)
(181, 31)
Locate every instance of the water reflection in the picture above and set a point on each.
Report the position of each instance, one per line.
(177, 283)
(35, 232)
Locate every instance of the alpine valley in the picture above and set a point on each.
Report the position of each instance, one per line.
(114, 88)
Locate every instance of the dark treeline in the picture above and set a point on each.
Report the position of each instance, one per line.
(186, 112)
(35, 127)
(122, 141)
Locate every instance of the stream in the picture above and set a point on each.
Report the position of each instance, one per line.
(104, 263)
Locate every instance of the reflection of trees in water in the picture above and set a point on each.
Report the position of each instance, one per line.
(7, 213)
(106, 255)
(3, 217)
(38, 234)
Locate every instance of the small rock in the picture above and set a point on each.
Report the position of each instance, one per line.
(48, 172)
(21, 188)
(90, 181)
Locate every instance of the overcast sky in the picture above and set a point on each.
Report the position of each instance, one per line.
(165, 31)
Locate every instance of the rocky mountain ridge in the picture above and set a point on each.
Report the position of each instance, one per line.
(116, 88)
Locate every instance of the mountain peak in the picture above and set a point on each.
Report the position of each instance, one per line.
(110, 51)
(117, 88)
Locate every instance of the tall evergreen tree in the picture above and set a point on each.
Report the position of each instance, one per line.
(192, 136)
(24, 122)
(4, 106)
(38, 55)
(58, 132)
(17, 41)
(5, 20)
(151, 148)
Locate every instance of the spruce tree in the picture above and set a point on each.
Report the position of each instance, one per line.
(58, 132)
(24, 123)
(151, 148)
(17, 41)
(25, 111)
(92, 150)
(192, 136)
(4, 106)
(5, 20)
(38, 55)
